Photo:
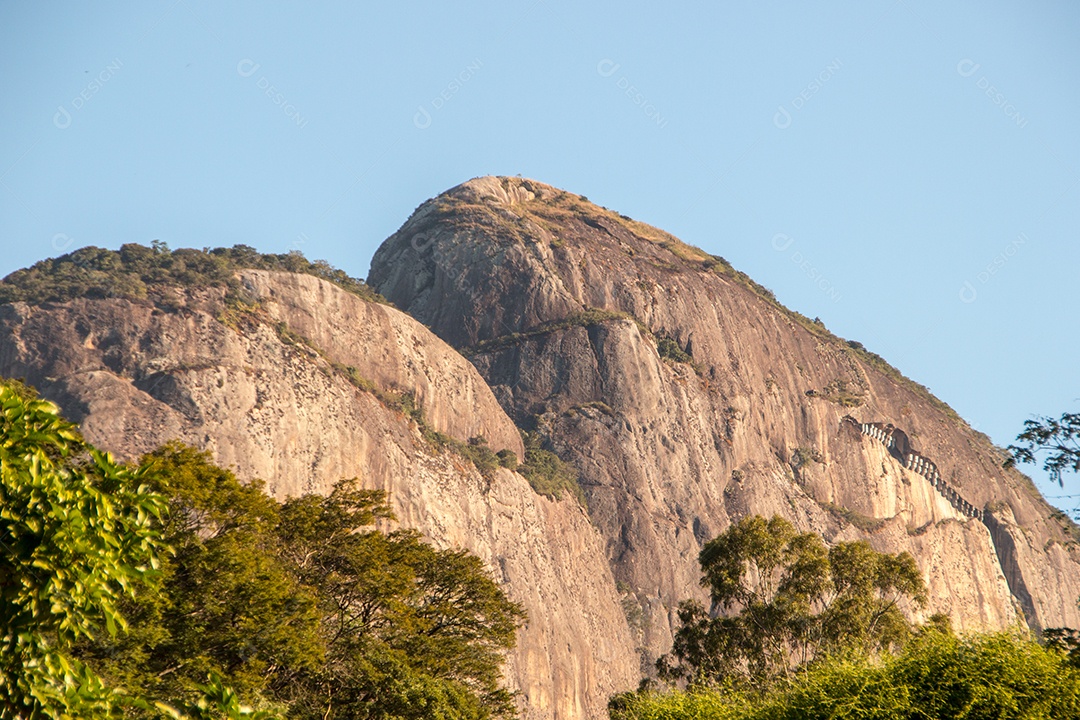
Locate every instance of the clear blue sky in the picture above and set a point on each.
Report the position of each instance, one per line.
(909, 171)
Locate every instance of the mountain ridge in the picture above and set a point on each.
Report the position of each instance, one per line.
(682, 393)
(564, 307)
(516, 193)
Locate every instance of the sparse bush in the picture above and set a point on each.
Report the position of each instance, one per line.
(547, 474)
(804, 456)
(837, 392)
(481, 455)
(507, 459)
(586, 318)
(669, 349)
(863, 522)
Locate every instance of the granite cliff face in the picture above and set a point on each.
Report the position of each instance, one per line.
(688, 397)
(683, 394)
(272, 390)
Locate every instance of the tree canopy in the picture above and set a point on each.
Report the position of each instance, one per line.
(937, 675)
(80, 540)
(1058, 438)
(798, 631)
(305, 605)
(136, 270)
(782, 599)
(173, 590)
(78, 534)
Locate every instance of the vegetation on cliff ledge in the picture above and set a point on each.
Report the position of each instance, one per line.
(135, 271)
(547, 473)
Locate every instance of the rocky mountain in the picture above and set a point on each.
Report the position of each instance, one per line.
(682, 394)
(301, 384)
(687, 396)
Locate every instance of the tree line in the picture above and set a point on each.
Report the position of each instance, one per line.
(171, 590)
(799, 631)
(138, 271)
(168, 589)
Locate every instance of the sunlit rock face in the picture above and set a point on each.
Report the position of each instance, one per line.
(271, 395)
(688, 398)
(683, 394)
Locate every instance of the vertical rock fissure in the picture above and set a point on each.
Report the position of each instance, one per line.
(1005, 549)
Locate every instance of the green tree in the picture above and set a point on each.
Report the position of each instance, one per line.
(217, 701)
(77, 533)
(998, 675)
(81, 541)
(861, 608)
(304, 605)
(228, 605)
(781, 599)
(937, 676)
(1059, 439)
(411, 631)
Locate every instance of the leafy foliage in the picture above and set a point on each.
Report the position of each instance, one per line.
(226, 605)
(1001, 676)
(77, 533)
(988, 676)
(547, 474)
(1065, 640)
(304, 606)
(790, 600)
(1059, 438)
(217, 701)
(409, 630)
(80, 539)
(135, 271)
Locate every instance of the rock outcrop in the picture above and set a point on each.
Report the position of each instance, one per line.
(685, 396)
(272, 391)
(688, 397)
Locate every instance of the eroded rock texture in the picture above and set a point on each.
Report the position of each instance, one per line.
(262, 392)
(685, 396)
(688, 398)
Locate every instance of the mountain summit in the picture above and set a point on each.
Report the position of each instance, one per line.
(688, 397)
(676, 393)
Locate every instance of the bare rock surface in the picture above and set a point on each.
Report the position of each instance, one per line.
(689, 398)
(389, 348)
(685, 396)
(261, 392)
